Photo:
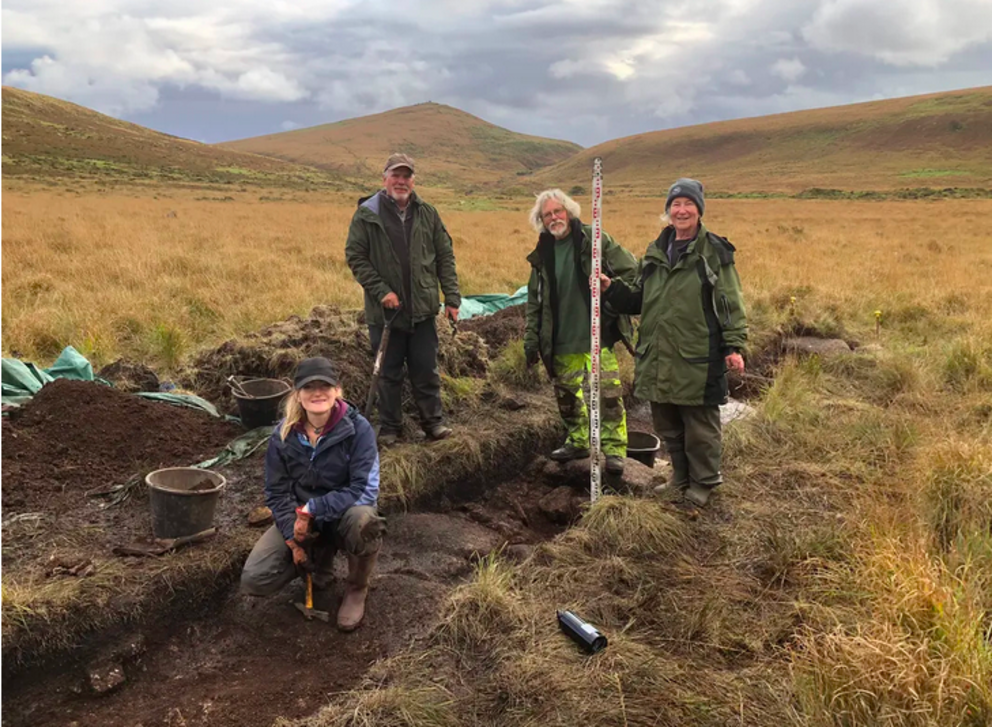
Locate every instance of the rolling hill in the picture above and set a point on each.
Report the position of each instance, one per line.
(451, 146)
(47, 138)
(938, 140)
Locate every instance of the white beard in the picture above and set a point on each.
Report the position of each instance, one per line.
(559, 228)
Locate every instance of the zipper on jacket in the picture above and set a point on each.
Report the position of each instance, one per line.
(409, 252)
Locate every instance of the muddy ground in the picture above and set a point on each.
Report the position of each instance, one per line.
(196, 652)
(241, 661)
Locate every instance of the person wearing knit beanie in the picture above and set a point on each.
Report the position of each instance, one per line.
(690, 188)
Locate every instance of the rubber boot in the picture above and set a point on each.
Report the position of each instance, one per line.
(352, 609)
(679, 481)
(699, 495)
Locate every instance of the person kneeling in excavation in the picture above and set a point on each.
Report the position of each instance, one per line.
(322, 485)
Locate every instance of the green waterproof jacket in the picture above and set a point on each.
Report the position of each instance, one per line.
(542, 292)
(375, 264)
(692, 317)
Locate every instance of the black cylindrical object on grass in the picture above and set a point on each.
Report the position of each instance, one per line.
(582, 633)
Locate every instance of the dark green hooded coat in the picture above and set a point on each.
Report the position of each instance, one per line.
(692, 317)
(542, 291)
(373, 260)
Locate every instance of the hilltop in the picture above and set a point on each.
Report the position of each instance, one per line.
(452, 147)
(936, 140)
(47, 138)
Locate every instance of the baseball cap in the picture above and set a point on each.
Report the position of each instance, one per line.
(398, 160)
(315, 369)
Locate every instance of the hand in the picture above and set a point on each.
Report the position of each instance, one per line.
(604, 282)
(374, 529)
(735, 362)
(451, 312)
(301, 528)
(391, 301)
(300, 559)
(532, 358)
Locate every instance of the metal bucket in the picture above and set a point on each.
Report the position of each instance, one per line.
(643, 447)
(259, 400)
(183, 500)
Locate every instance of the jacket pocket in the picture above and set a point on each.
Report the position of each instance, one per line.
(696, 354)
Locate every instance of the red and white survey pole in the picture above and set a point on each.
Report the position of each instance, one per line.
(596, 476)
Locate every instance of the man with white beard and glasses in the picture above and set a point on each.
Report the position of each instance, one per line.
(558, 324)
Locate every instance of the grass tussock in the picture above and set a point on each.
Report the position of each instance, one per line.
(485, 439)
(485, 612)
(510, 368)
(919, 655)
(957, 498)
(622, 526)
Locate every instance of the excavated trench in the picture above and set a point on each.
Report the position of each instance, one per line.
(220, 658)
(240, 661)
(170, 641)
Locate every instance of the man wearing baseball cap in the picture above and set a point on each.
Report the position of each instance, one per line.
(400, 253)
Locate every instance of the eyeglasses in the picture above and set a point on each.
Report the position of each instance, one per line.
(551, 214)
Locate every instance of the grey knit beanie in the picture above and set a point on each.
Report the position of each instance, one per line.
(690, 188)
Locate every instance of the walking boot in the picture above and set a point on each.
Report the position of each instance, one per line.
(698, 494)
(614, 464)
(388, 438)
(352, 609)
(438, 432)
(568, 452)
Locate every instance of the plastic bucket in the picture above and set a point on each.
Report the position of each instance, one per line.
(259, 400)
(183, 500)
(643, 447)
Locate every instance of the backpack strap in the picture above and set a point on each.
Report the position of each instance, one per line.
(724, 250)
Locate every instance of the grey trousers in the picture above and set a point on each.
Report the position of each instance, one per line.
(270, 565)
(694, 440)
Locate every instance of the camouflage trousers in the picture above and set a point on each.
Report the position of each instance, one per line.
(571, 378)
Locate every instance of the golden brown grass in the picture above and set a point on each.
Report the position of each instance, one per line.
(117, 275)
(845, 581)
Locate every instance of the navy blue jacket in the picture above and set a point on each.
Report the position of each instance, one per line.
(340, 472)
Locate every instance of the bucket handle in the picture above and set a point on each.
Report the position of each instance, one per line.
(235, 383)
(236, 387)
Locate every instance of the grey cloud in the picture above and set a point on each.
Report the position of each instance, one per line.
(586, 72)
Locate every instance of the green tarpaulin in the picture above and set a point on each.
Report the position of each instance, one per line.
(486, 305)
(22, 380)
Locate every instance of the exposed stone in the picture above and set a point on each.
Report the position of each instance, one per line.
(561, 505)
(734, 411)
(810, 346)
(104, 677)
(637, 478)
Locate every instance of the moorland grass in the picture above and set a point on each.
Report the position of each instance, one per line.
(844, 576)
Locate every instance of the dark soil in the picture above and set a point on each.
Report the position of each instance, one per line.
(499, 329)
(76, 437)
(130, 376)
(247, 661)
(328, 331)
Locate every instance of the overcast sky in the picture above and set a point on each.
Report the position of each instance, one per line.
(583, 70)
